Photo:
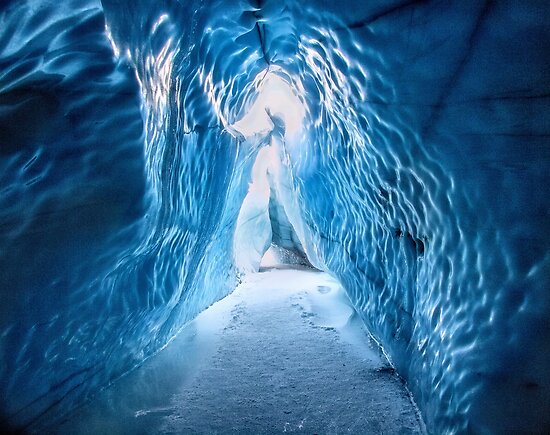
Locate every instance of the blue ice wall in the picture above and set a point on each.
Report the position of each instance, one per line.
(113, 206)
(426, 190)
(420, 180)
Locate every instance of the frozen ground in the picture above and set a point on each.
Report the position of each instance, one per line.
(283, 353)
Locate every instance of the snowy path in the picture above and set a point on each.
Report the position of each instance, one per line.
(283, 353)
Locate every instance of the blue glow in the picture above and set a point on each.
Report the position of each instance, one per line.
(407, 155)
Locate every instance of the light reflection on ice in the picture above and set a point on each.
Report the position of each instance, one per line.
(276, 98)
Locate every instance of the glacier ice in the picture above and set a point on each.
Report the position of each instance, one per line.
(253, 229)
(408, 157)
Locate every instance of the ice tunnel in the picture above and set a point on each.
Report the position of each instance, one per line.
(150, 151)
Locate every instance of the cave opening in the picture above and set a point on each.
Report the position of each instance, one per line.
(155, 154)
(264, 233)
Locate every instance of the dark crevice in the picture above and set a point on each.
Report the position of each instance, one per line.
(60, 399)
(381, 14)
(457, 73)
(51, 390)
(417, 243)
(260, 29)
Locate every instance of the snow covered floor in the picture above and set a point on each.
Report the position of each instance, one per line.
(284, 353)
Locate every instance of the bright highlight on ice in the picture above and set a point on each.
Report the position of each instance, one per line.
(276, 98)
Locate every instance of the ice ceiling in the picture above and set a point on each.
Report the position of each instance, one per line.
(401, 145)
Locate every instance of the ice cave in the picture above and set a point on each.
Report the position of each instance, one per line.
(268, 216)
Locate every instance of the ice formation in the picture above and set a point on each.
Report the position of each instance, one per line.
(406, 152)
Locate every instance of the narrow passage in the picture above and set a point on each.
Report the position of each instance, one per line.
(283, 353)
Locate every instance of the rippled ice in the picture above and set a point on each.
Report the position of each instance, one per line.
(418, 177)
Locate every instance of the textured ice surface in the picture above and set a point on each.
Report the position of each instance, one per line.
(419, 177)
